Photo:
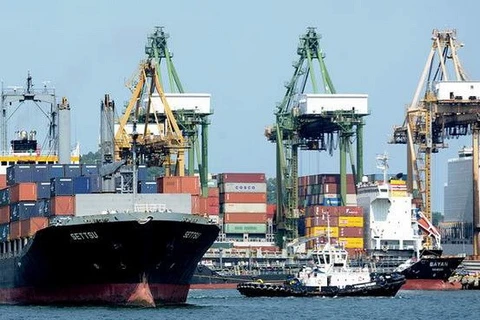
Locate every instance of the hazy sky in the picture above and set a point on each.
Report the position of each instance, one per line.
(241, 52)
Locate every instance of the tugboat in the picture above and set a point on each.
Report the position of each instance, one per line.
(330, 276)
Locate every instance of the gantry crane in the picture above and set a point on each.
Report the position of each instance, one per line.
(311, 122)
(178, 117)
(448, 108)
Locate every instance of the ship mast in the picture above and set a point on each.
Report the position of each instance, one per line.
(382, 164)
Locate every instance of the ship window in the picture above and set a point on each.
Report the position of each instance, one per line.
(4, 163)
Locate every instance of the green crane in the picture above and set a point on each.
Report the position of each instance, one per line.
(194, 126)
(293, 132)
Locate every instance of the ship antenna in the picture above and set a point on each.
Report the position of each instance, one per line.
(382, 164)
(134, 162)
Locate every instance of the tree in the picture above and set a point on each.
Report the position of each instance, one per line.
(271, 190)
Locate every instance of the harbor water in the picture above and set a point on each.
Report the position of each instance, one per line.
(229, 304)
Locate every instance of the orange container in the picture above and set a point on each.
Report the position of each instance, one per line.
(317, 210)
(247, 217)
(187, 184)
(3, 181)
(243, 197)
(4, 214)
(62, 205)
(24, 191)
(203, 205)
(30, 226)
(15, 230)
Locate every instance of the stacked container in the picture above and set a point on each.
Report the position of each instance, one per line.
(186, 184)
(343, 224)
(324, 190)
(243, 206)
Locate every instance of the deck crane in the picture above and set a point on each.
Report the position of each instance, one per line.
(310, 122)
(448, 108)
(169, 120)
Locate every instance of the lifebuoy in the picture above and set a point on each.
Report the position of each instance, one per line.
(385, 248)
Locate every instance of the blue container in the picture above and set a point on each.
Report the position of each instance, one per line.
(5, 196)
(95, 183)
(23, 210)
(73, 170)
(40, 173)
(55, 171)
(90, 169)
(43, 208)
(4, 232)
(81, 185)
(334, 202)
(19, 173)
(61, 187)
(147, 187)
(43, 190)
(142, 173)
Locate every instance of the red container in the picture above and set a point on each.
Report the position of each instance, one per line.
(213, 207)
(15, 227)
(203, 205)
(242, 177)
(213, 210)
(350, 232)
(243, 197)
(195, 204)
(3, 181)
(317, 210)
(4, 214)
(30, 226)
(24, 191)
(213, 192)
(331, 188)
(62, 205)
(271, 210)
(350, 211)
(187, 184)
(248, 217)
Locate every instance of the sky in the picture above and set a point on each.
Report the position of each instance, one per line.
(241, 52)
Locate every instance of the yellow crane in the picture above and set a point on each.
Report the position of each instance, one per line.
(160, 139)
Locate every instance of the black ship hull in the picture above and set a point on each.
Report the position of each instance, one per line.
(120, 259)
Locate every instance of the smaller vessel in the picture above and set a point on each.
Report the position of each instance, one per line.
(329, 276)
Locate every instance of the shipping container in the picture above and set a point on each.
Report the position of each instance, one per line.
(3, 181)
(62, 205)
(271, 210)
(350, 232)
(43, 190)
(213, 206)
(81, 185)
(95, 183)
(243, 207)
(252, 228)
(248, 217)
(350, 211)
(4, 196)
(247, 197)
(19, 173)
(352, 243)
(174, 184)
(25, 191)
(142, 172)
(15, 232)
(195, 204)
(56, 171)
(241, 177)
(4, 214)
(90, 169)
(213, 192)
(72, 170)
(40, 173)
(22, 210)
(4, 232)
(147, 187)
(43, 208)
(61, 187)
(30, 226)
(323, 231)
(322, 221)
(350, 221)
(243, 187)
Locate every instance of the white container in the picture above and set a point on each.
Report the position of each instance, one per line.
(196, 102)
(311, 104)
(457, 90)
(243, 187)
(243, 207)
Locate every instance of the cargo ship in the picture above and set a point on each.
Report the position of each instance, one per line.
(75, 233)
(395, 231)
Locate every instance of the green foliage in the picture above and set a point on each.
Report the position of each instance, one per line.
(90, 158)
(271, 190)
(437, 217)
